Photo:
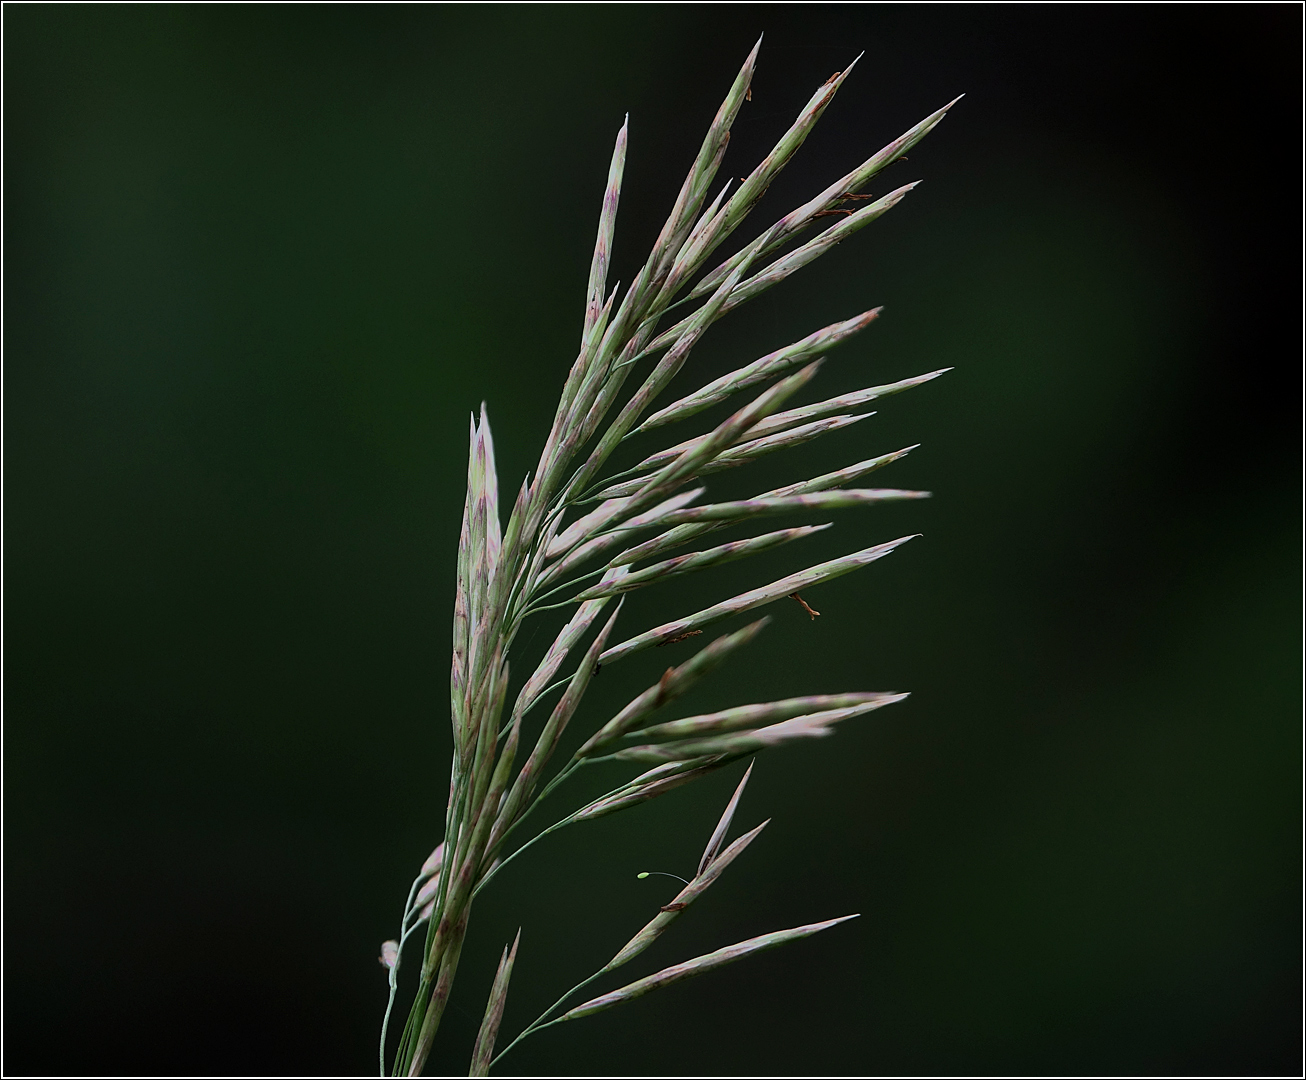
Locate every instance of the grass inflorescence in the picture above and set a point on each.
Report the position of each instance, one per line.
(579, 538)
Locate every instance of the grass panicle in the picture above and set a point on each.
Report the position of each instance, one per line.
(581, 535)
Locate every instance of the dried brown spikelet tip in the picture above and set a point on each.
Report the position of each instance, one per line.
(806, 606)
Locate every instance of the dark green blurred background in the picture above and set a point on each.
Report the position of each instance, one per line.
(260, 263)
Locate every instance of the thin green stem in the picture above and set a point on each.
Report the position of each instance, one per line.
(553, 686)
(570, 768)
(394, 969)
(538, 1024)
(547, 607)
(394, 986)
(531, 608)
(590, 494)
(567, 771)
(540, 836)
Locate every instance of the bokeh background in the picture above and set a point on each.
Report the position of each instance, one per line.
(260, 263)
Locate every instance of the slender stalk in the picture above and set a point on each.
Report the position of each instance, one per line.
(394, 968)
(538, 1024)
(533, 840)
